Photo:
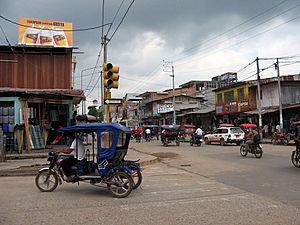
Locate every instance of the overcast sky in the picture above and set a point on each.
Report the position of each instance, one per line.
(203, 38)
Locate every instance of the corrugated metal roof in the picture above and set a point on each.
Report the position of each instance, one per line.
(61, 92)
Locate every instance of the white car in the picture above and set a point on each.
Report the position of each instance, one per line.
(224, 135)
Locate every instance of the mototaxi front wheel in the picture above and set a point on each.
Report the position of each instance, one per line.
(258, 152)
(46, 180)
(136, 176)
(243, 151)
(120, 184)
(295, 158)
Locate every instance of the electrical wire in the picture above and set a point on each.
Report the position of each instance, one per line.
(231, 29)
(115, 17)
(242, 32)
(72, 30)
(121, 20)
(92, 78)
(136, 80)
(240, 42)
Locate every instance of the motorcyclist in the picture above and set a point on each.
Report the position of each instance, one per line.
(198, 134)
(147, 133)
(252, 136)
(138, 133)
(77, 152)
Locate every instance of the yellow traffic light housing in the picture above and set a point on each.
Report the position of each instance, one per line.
(110, 76)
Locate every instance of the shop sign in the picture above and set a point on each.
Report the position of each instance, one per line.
(164, 108)
(45, 33)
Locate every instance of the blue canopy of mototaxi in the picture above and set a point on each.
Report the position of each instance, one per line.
(170, 126)
(94, 127)
(114, 128)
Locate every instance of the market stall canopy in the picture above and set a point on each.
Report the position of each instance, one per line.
(248, 125)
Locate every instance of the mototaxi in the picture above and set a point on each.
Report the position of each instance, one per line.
(170, 133)
(107, 166)
(152, 128)
(187, 131)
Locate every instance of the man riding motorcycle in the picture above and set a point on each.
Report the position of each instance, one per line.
(252, 137)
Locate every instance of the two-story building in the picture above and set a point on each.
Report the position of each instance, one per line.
(237, 103)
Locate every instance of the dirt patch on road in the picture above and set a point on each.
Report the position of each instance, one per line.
(166, 155)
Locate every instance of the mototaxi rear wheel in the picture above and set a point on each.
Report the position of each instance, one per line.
(295, 158)
(46, 180)
(136, 176)
(120, 184)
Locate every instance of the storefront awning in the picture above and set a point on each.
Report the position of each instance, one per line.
(203, 111)
(271, 109)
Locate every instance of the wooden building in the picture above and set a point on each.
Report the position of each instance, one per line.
(35, 93)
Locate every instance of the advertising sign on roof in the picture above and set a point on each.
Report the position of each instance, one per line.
(165, 108)
(44, 33)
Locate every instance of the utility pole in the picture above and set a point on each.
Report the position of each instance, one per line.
(174, 112)
(279, 95)
(167, 65)
(259, 99)
(106, 94)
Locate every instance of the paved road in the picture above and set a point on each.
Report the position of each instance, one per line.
(190, 186)
(273, 175)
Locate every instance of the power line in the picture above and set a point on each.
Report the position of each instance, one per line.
(73, 30)
(122, 19)
(238, 43)
(255, 26)
(231, 29)
(114, 17)
(245, 66)
(136, 80)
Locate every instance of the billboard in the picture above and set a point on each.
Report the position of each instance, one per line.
(165, 108)
(45, 33)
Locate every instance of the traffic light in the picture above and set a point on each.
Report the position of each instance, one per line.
(110, 76)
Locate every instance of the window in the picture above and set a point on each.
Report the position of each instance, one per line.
(106, 139)
(224, 131)
(236, 130)
(219, 99)
(229, 96)
(241, 94)
(121, 140)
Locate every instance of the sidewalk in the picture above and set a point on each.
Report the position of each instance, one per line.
(28, 164)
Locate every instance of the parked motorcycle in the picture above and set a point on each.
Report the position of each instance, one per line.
(254, 148)
(279, 138)
(196, 140)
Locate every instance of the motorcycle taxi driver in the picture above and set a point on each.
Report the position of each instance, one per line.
(76, 155)
(251, 136)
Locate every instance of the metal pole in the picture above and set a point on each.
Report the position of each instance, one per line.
(105, 108)
(174, 112)
(259, 99)
(279, 95)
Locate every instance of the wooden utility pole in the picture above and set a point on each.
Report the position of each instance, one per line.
(259, 99)
(279, 95)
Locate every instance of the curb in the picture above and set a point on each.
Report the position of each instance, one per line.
(149, 162)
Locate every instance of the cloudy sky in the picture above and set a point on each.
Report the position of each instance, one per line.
(202, 38)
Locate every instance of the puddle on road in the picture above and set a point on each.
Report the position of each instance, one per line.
(166, 155)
